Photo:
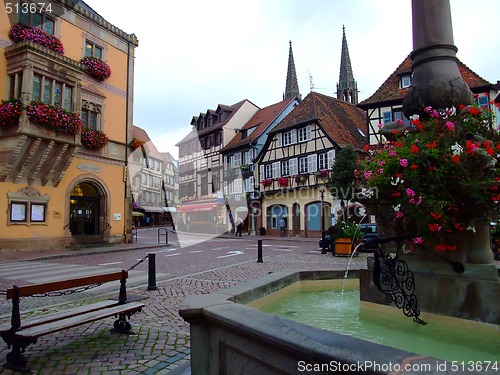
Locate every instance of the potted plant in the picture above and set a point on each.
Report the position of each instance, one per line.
(343, 236)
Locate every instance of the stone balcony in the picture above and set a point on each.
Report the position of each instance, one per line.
(36, 156)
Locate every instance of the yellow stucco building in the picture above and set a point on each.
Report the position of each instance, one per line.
(66, 84)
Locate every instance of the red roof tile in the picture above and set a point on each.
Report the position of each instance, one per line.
(343, 122)
(391, 91)
(260, 121)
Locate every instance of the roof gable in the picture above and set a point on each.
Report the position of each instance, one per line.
(390, 90)
(343, 122)
(260, 121)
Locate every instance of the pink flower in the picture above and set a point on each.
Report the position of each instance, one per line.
(403, 162)
(418, 241)
(367, 174)
(392, 153)
(410, 192)
(450, 125)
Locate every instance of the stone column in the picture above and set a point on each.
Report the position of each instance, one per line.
(436, 79)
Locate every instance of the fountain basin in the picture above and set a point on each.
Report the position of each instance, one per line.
(335, 305)
(228, 337)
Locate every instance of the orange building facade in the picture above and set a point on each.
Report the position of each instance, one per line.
(66, 84)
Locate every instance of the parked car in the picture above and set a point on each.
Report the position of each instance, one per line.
(369, 231)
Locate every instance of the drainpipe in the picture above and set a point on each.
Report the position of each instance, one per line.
(127, 177)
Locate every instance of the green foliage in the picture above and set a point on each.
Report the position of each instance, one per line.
(341, 181)
(436, 177)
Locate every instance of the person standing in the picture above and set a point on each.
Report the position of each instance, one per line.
(239, 225)
(282, 225)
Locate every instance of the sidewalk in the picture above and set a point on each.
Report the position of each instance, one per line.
(161, 341)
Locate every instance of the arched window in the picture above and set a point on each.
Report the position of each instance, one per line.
(313, 216)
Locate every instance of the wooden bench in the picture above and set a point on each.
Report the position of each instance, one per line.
(19, 334)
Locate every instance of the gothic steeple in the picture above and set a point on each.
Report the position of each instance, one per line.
(347, 88)
(292, 86)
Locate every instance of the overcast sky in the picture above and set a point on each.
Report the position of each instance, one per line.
(196, 54)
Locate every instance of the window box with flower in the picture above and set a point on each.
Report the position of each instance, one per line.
(94, 139)
(20, 32)
(267, 182)
(301, 178)
(283, 181)
(96, 68)
(54, 118)
(10, 113)
(323, 174)
(438, 179)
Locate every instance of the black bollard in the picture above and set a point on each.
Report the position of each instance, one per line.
(151, 271)
(259, 251)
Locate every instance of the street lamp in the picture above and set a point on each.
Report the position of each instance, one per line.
(323, 239)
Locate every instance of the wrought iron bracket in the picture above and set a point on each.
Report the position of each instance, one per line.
(393, 278)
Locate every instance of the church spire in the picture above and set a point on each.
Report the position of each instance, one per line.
(347, 88)
(292, 86)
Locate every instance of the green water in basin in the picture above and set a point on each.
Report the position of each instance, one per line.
(325, 306)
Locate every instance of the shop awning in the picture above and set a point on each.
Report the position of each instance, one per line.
(169, 209)
(197, 207)
(151, 209)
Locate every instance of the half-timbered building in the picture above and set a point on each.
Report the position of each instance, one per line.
(386, 104)
(146, 180)
(296, 159)
(202, 205)
(239, 167)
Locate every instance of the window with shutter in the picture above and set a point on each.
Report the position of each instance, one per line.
(292, 163)
(331, 158)
(261, 173)
(312, 163)
(276, 169)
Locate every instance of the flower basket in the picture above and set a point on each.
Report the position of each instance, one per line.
(283, 182)
(323, 174)
(267, 182)
(96, 68)
(135, 143)
(54, 118)
(94, 139)
(20, 32)
(301, 178)
(10, 113)
(439, 178)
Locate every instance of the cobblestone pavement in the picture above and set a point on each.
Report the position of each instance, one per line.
(161, 341)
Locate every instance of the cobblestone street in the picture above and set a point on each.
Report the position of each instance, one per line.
(160, 343)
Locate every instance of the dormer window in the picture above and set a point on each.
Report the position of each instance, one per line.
(221, 116)
(405, 81)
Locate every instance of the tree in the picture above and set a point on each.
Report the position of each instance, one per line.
(341, 181)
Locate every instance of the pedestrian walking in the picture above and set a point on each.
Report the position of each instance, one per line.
(239, 225)
(282, 227)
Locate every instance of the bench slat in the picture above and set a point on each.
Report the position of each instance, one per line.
(26, 323)
(55, 326)
(29, 290)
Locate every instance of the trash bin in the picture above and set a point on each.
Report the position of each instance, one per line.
(262, 231)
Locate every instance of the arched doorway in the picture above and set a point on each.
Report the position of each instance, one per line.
(85, 206)
(296, 219)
